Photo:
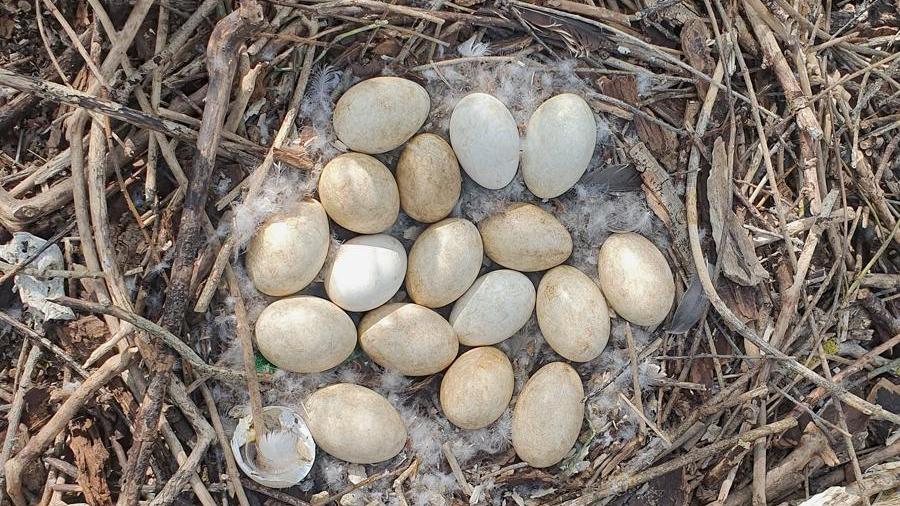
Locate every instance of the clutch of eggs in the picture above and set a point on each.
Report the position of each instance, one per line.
(449, 299)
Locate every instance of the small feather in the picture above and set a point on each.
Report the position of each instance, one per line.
(614, 178)
(689, 309)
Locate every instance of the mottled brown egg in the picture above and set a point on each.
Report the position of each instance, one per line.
(428, 178)
(355, 424)
(524, 237)
(548, 414)
(477, 388)
(636, 279)
(572, 314)
(359, 193)
(408, 338)
(443, 262)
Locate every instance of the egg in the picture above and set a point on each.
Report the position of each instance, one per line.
(636, 279)
(408, 338)
(366, 272)
(572, 314)
(380, 114)
(559, 144)
(526, 238)
(359, 193)
(485, 139)
(443, 262)
(300, 234)
(477, 388)
(305, 334)
(428, 178)
(548, 415)
(494, 308)
(354, 424)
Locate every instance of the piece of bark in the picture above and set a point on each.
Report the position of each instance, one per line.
(90, 459)
(883, 477)
(658, 183)
(694, 37)
(733, 243)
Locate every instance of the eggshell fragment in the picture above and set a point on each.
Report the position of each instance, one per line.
(636, 279)
(572, 314)
(300, 234)
(366, 272)
(477, 388)
(355, 424)
(494, 308)
(428, 178)
(288, 445)
(559, 144)
(359, 193)
(305, 334)
(408, 338)
(526, 238)
(548, 415)
(379, 114)
(443, 262)
(485, 138)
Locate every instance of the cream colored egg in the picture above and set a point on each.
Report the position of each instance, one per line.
(485, 139)
(305, 334)
(359, 193)
(379, 114)
(572, 314)
(477, 388)
(548, 415)
(299, 234)
(526, 238)
(366, 272)
(355, 424)
(443, 262)
(408, 338)
(636, 279)
(494, 308)
(428, 178)
(559, 144)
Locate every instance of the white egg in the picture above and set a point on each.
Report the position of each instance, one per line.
(494, 308)
(548, 414)
(526, 238)
(559, 144)
(379, 114)
(359, 193)
(443, 262)
(355, 424)
(408, 338)
(428, 178)
(305, 334)
(366, 272)
(485, 138)
(636, 279)
(477, 388)
(572, 314)
(301, 234)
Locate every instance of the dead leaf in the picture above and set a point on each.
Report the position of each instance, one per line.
(733, 243)
(90, 458)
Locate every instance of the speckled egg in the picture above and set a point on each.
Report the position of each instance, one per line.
(477, 388)
(494, 308)
(572, 314)
(443, 262)
(359, 193)
(408, 338)
(526, 238)
(636, 279)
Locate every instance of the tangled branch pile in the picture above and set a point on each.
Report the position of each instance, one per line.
(754, 141)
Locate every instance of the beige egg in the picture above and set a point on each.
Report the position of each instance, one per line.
(485, 139)
(559, 144)
(428, 178)
(443, 262)
(636, 279)
(299, 234)
(526, 238)
(305, 334)
(359, 193)
(548, 414)
(355, 424)
(572, 314)
(366, 272)
(408, 338)
(380, 114)
(477, 388)
(494, 308)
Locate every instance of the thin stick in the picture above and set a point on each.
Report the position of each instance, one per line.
(635, 380)
(15, 412)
